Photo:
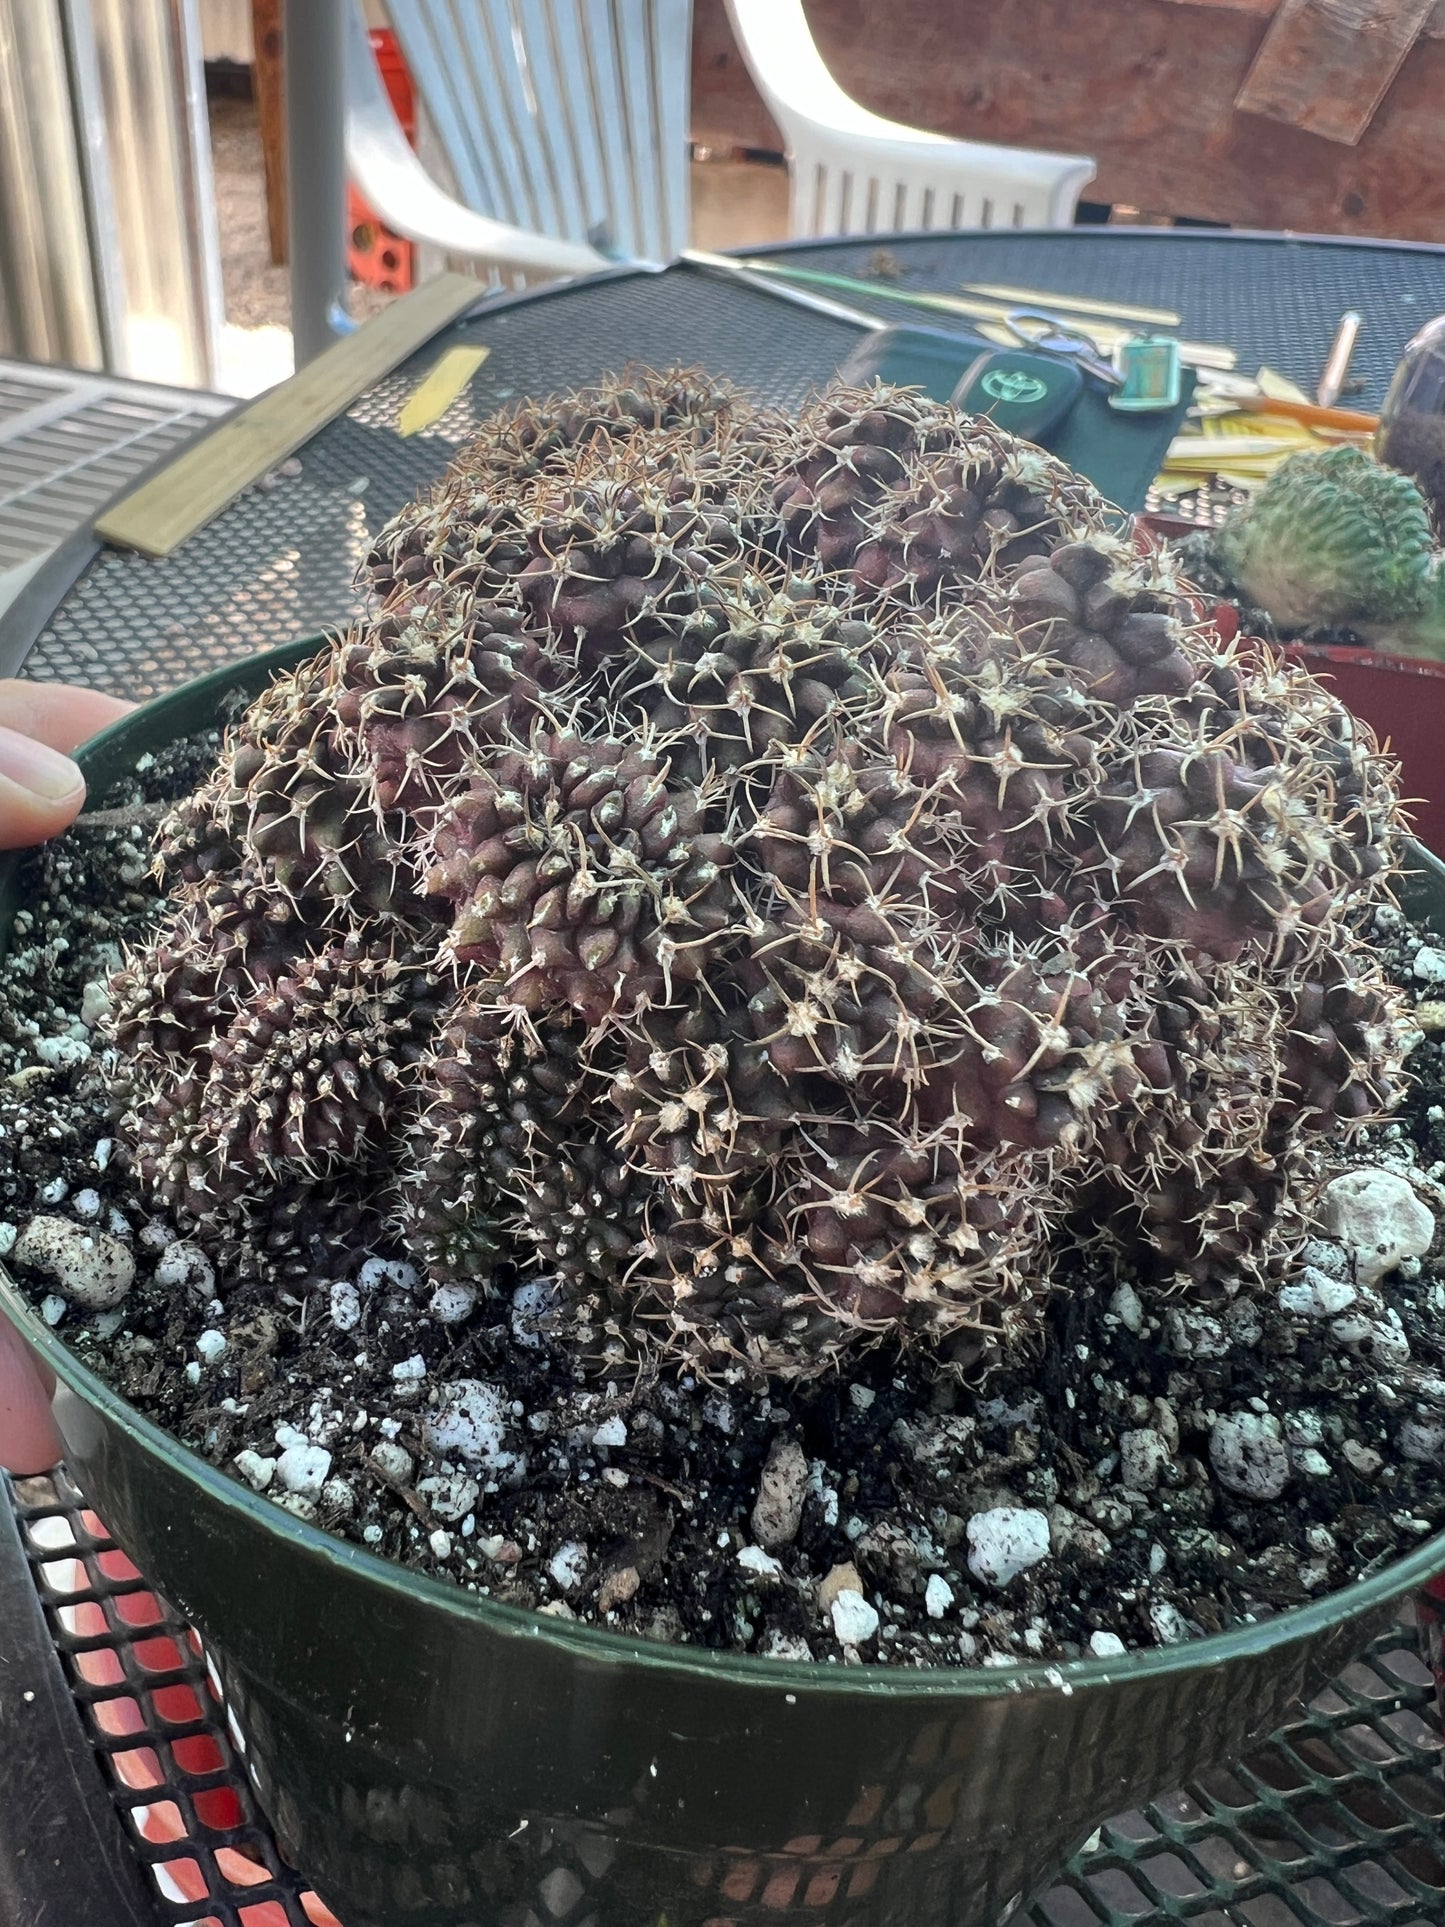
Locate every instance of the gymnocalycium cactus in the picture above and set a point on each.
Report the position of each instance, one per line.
(779, 878)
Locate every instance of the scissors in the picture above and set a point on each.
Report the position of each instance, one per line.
(1037, 329)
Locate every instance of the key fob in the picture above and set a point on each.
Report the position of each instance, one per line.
(1027, 394)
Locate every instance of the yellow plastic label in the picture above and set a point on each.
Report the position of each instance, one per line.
(439, 387)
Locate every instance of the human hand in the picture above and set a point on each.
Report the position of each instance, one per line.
(41, 792)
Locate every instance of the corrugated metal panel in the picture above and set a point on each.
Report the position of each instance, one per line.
(68, 442)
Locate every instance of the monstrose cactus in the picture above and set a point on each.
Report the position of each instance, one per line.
(781, 879)
(1336, 541)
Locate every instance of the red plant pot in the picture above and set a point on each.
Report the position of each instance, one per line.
(1402, 698)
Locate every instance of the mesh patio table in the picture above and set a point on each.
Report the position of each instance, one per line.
(123, 1794)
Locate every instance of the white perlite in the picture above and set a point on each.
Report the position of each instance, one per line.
(611, 1432)
(184, 1263)
(937, 1596)
(568, 1564)
(1315, 1294)
(90, 1268)
(1379, 1220)
(255, 1469)
(211, 1347)
(1248, 1454)
(762, 1564)
(452, 1304)
(1428, 965)
(302, 1469)
(345, 1305)
(470, 1423)
(391, 1462)
(451, 1495)
(1106, 1645)
(1005, 1541)
(855, 1621)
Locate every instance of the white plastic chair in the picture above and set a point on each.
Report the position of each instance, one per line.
(852, 172)
(563, 122)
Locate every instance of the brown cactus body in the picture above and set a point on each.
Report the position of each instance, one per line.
(780, 881)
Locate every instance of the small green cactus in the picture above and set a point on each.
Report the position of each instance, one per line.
(1335, 540)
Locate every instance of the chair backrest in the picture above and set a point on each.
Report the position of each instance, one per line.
(566, 117)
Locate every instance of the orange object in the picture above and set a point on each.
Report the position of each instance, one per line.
(1310, 413)
(374, 254)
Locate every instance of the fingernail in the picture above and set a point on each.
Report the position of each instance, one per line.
(47, 774)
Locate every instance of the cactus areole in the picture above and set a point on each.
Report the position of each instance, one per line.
(783, 878)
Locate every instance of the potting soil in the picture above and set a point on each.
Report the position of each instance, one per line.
(1153, 1471)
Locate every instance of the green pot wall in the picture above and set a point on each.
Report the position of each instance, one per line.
(432, 1759)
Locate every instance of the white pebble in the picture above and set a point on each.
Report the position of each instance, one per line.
(1005, 1541)
(1106, 1645)
(53, 1309)
(780, 1645)
(91, 1268)
(861, 1397)
(1428, 965)
(94, 1003)
(155, 1233)
(373, 1535)
(255, 1469)
(211, 1347)
(452, 1304)
(8, 1234)
(193, 1373)
(344, 1301)
(778, 1509)
(101, 1155)
(1422, 1440)
(937, 1596)
(1315, 1294)
(1379, 1220)
(441, 1544)
(754, 1559)
(855, 1621)
(568, 1564)
(1249, 1455)
(1363, 1459)
(1126, 1306)
(470, 1423)
(1143, 1455)
(303, 1468)
(410, 1370)
(86, 1203)
(55, 1192)
(612, 1431)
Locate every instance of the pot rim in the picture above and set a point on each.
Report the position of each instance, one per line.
(1368, 1593)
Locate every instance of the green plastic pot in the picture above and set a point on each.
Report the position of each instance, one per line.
(431, 1759)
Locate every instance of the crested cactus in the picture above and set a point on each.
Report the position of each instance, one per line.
(779, 880)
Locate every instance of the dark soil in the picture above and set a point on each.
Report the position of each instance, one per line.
(633, 1504)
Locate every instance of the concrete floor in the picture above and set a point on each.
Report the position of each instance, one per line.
(734, 204)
